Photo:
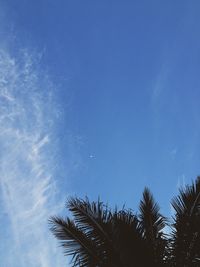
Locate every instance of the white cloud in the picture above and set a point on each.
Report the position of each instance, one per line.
(26, 170)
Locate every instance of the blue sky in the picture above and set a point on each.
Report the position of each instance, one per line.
(98, 98)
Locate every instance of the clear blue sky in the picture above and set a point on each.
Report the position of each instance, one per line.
(109, 92)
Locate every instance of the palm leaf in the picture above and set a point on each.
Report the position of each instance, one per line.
(152, 224)
(186, 227)
(75, 242)
(95, 220)
(90, 217)
(152, 221)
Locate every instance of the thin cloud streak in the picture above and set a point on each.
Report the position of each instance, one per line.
(160, 83)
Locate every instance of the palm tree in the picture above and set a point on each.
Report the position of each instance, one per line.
(100, 237)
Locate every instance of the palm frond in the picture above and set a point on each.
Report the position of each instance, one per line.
(152, 221)
(152, 224)
(186, 226)
(90, 217)
(75, 242)
(95, 220)
(188, 200)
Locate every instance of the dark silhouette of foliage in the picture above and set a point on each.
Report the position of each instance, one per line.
(186, 226)
(98, 236)
(152, 223)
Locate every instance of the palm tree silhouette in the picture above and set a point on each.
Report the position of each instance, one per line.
(100, 237)
(185, 242)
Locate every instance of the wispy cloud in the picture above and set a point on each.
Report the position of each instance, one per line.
(28, 189)
(173, 152)
(160, 83)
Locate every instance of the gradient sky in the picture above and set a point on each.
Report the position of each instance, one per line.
(97, 98)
